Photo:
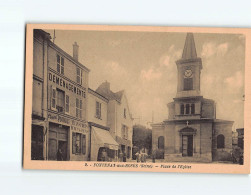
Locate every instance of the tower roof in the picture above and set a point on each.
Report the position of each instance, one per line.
(189, 51)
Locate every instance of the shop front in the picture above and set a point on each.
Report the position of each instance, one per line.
(103, 146)
(67, 138)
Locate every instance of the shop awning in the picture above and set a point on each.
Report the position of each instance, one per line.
(103, 137)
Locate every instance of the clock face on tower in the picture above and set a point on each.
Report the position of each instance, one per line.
(188, 73)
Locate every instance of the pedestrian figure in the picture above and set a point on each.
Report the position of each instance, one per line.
(104, 155)
(153, 156)
(137, 156)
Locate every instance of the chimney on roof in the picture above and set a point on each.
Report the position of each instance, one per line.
(107, 85)
(75, 51)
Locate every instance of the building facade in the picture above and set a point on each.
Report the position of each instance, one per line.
(119, 120)
(192, 133)
(100, 137)
(59, 108)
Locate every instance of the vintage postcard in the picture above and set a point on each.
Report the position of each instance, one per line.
(137, 98)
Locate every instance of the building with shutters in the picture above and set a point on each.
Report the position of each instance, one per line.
(119, 120)
(100, 136)
(192, 133)
(59, 105)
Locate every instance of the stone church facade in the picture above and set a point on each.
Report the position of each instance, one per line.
(192, 133)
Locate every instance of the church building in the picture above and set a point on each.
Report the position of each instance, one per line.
(192, 133)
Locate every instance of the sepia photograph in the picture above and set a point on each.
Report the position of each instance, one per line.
(142, 99)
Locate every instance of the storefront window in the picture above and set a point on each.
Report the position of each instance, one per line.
(76, 143)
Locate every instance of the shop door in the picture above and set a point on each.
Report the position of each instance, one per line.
(63, 146)
(187, 145)
(58, 139)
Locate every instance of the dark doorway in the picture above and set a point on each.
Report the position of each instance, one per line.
(37, 143)
(187, 145)
(63, 146)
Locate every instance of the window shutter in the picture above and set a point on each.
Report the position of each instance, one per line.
(53, 98)
(67, 104)
(73, 143)
(83, 144)
(99, 110)
(81, 80)
(80, 110)
(77, 107)
(97, 107)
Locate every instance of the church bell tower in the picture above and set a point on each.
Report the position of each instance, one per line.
(189, 69)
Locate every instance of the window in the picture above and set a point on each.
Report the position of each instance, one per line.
(161, 142)
(98, 110)
(124, 132)
(60, 64)
(192, 109)
(53, 98)
(124, 113)
(182, 109)
(67, 104)
(79, 76)
(188, 84)
(78, 108)
(220, 141)
(76, 143)
(60, 100)
(187, 108)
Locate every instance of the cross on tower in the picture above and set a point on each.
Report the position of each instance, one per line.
(187, 123)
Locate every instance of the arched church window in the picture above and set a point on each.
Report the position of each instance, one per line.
(161, 142)
(182, 109)
(192, 109)
(220, 141)
(187, 108)
(188, 84)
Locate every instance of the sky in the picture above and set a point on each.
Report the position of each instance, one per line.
(143, 64)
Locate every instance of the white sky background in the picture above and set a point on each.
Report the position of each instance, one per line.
(143, 64)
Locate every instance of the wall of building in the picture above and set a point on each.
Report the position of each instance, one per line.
(70, 70)
(38, 56)
(37, 97)
(222, 154)
(206, 140)
(157, 131)
(120, 120)
(171, 110)
(69, 77)
(111, 117)
(208, 109)
(169, 132)
(92, 109)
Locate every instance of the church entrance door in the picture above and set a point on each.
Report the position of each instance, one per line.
(187, 145)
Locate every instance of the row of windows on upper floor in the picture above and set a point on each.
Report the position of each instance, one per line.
(98, 111)
(187, 109)
(60, 69)
(61, 102)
